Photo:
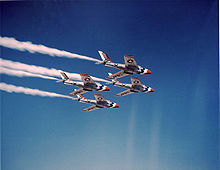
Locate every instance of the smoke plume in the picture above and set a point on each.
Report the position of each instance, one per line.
(35, 92)
(40, 70)
(20, 73)
(33, 48)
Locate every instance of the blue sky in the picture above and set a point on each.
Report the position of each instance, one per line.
(174, 128)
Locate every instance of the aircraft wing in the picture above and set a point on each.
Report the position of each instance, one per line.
(99, 98)
(87, 79)
(77, 92)
(129, 61)
(117, 75)
(135, 81)
(124, 93)
(93, 107)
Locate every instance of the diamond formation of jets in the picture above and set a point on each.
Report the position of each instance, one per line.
(99, 102)
(129, 67)
(86, 85)
(135, 86)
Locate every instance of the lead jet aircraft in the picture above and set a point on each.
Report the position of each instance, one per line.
(134, 87)
(129, 67)
(86, 85)
(99, 102)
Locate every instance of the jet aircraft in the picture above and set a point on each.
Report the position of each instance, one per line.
(134, 87)
(129, 67)
(86, 85)
(99, 102)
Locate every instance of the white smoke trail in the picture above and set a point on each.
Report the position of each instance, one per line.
(35, 92)
(20, 73)
(32, 48)
(40, 70)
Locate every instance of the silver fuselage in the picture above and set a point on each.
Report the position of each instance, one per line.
(88, 87)
(106, 103)
(134, 88)
(128, 70)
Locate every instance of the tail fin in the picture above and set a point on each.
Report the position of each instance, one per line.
(104, 57)
(63, 76)
(113, 80)
(79, 97)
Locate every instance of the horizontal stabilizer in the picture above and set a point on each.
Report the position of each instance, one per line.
(113, 80)
(110, 82)
(79, 96)
(100, 62)
(60, 81)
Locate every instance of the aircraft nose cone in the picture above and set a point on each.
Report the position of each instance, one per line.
(151, 90)
(148, 72)
(116, 106)
(107, 89)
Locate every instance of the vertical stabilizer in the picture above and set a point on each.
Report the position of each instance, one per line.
(104, 57)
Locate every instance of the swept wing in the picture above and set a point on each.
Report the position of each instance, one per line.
(99, 98)
(117, 75)
(129, 61)
(93, 107)
(87, 79)
(136, 82)
(77, 92)
(124, 93)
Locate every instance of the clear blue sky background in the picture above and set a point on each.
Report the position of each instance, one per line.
(174, 128)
